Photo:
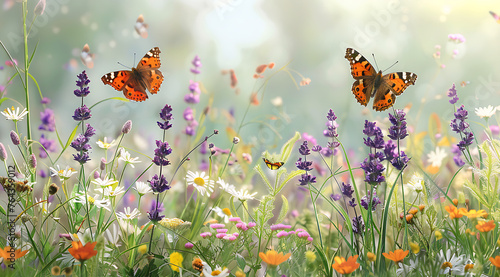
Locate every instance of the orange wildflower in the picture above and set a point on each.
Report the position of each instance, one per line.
(261, 68)
(495, 261)
(413, 211)
(485, 226)
(273, 259)
(475, 214)
(397, 256)
(454, 212)
(421, 207)
(345, 267)
(82, 253)
(6, 254)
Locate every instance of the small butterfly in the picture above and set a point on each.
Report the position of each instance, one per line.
(495, 16)
(273, 166)
(140, 27)
(369, 83)
(134, 82)
(87, 57)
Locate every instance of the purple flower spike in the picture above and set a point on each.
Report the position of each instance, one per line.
(197, 65)
(398, 129)
(452, 93)
(365, 201)
(82, 113)
(82, 84)
(358, 225)
(159, 184)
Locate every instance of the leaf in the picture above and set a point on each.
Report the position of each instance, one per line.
(289, 177)
(264, 211)
(283, 211)
(258, 168)
(287, 148)
(241, 261)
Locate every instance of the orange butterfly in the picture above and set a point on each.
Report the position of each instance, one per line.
(134, 82)
(273, 166)
(369, 83)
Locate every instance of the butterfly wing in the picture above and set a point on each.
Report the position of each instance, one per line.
(273, 166)
(392, 84)
(125, 81)
(148, 67)
(364, 73)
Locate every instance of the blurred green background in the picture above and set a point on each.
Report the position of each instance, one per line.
(241, 34)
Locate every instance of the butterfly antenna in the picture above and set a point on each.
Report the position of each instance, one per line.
(390, 66)
(124, 65)
(373, 55)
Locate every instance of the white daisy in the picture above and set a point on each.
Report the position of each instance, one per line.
(486, 112)
(64, 174)
(128, 214)
(405, 270)
(243, 194)
(225, 186)
(100, 203)
(224, 213)
(200, 182)
(142, 188)
(416, 183)
(127, 229)
(110, 192)
(207, 271)
(105, 145)
(13, 114)
(112, 236)
(104, 183)
(436, 157)
(125, 156)
(451, 264)
(43, 206)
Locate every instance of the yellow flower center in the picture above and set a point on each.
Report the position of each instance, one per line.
(199, 181)
(216, 272)
(446, 264)
(226, 211)
(468, 267)
(91, 200)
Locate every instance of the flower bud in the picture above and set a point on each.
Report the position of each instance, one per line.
(413, 211)
(96, 175)
(127, 127)
(15, 138)
(421, 207)
(32, 161)
(236, 140)
(3, 153)
(53, 188)
(455, 202)
(102, 166)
